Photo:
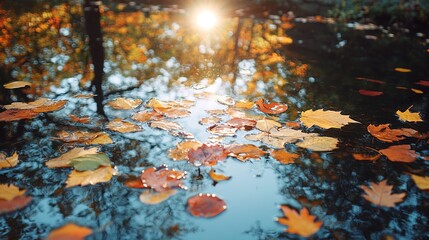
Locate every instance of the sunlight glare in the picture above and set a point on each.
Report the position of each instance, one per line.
(206, 19)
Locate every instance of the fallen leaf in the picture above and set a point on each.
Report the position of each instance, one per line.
(271, 108)
(89, 95)
(369, 93)
(77, 119)
(16, 84)
(222, 130)
(283, 156)
(90, 161)
(319, 144)
(400, 153)
(206, 205)
(408, 116)
(145, 116)
(162, 179)
(384, 133)
(165, 125)
(101, 174)
(325, 119)
(380, 194)
(370, 80)
(210, 120)
(235, 113)
(84, 137)
(134, 182)
(266, 125)
(9, 192)
(302, 223)
(418, 91)
(294, 125)
(173, 112)
(245, 104)
(64, 159)
(422, 182)
(216, 112)
(180, 152)
(277, 138)
(8, 162)
(244, 152)
(124, 103)
(242, 123)
(402, 70)
(218, 177)
(14, 204)
(226, 100)
(150, 197)
(41, 105)
(16, 114)
(69, 231)
(122, 126)
(207, 155)
(182, 134)
(366, 157)
(156, 103)
(423, 83)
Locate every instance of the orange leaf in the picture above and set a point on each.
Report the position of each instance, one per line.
(8, 162)
(381, 194)
(180, 152)
(69, 231)
(423, 83)
(162, 179)
(207, 155)
(150, 197)
(384, 133)
(173, 112)
(124, 103)
(101, 174)
(400, 153)
(302, 223)
(218, 177)
(145, 116)
(134, 183)
(206, 205)
(271, 108)
(222, 130)
(244, 152)
(283, 156)
(76, 119)
(402, 70)
(16, 203)
(122, 126)
(242, 123)
(17, 114)
(365, 157)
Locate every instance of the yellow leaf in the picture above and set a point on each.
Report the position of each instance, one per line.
(302, 223)
(218, 177)
(69, 231)
(16, 84)
(325, 119)
(101, 174)
(8, 162)
(180, 152)
(402, 70)
(151, 197)
(245, 104)
(125, 103)
(10, 192)
(319, 143)
(64, 159)
(418, 91)
(266, 125)
(408, 116)
(421, 182)
(122, 126)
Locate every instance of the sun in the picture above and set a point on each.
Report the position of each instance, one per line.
(206, 19)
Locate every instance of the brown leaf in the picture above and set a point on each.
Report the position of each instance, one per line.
(302, 223)
(384, 133)
(400, 153)
(7, 206)
(124, 103)
(271, 108)
(145, 116)
(101, 174)
(216, 112)
(206, 205)
(218, 177)
(16, 84)
(381, 194)
(319, 144)
(122, 126)
(366, 157)
(84, 137)
(180, 152)
(17, 114)
(152, 198)
(266, 125)
(165, 125)
(244, 152)
(69, 231)
(242, 123)
(207, 155)
(8, 162)
(64, 159)
(283, 156)
(222, 130)
(162, 179)
(325, 119)
(76, 119)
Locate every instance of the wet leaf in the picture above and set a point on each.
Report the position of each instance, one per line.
(226, 100)
(101, 174)
(242, 123)
(89, 95)
(162, 179)
(76, 119)
(150, 197)
(90, 162)
(7, 206)
(134, 183)
(173, 112)
(122, 126)
(402, 70)
(245, 104)
(244, 152)
(16, 114)
(165, 125)
(180, 152)
(210, 120)
(156, 103)
(16, 84)
(400, 153)
(369, 93)
(384, 133)
(9, 192)
(325, 119)
(289, 135)
(380, 194)
(235, 113)
(69, 231)
(423, 83)
(124, 103)
(41, 105)
(182, 134)
(207, 155)
(218, 177)
(283, 156)
(319, 144)
(64, 159)
(418, 91)
(266, 125)
(84, 137)
(222, 130)
(8, 162)
(271, 108)
(366, 157)
(422, 182)
(216, 112)
(206, 205)
(302, 223)
(145, 116)
(408, 116)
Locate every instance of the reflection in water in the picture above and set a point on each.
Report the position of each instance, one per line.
(155, 52)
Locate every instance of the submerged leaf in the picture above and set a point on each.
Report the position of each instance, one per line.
(302, 223)
(9, 192)
(207, 155)
(69, 231)
(149, 197)
(244, 152)
(7, 206)
(101, 174)
(366, 157)
(381, 194)
(162, 179)
(325, 119)
(64, 159)
(124, 103)
(90, 162)
(319, 143)
(400, 153)
(206, 205)
(8, 162)
(271, 108)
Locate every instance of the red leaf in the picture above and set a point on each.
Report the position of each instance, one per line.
(14, 204)
(370, 80)
(162, 179)
(271, 108)
(423, 83)
(207, 155)
(134, 183)
(205, 205)
(369, 93)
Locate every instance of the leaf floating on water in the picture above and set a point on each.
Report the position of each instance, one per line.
(226, 100)
(402, 70)
(77, 119)
(165, 125)
(216, 112)
(16, 84)
(244, 152)
(218, 177)
(302, 223)
(380, 194)
(370, 80)
(119, 125)
(145, 116)
(207, 155)
(266, 125)
(210, 120)
(245, 104)
(156, 103)
(84, 137)
(222, 130)
(271, 108)
(17, 114)
(69, 231)
(90, 161)
(173, 112)
(152, 198)
(206, 205)
(408, 116)
(11, 198)
(400, 153)
(366, 157)
(283, 156)
(242, 123)
(89, 95)
(101, 174)
(124, 103)
(422, 182)
(134, 183)
(162, 179)
(41, 105)
(418, 91)
(384, 133)
(319, 144)
(64, 159)
(9, 192)
(369, 93)
(8, 162)
(423, 83)
(325, 119)
(180, 152)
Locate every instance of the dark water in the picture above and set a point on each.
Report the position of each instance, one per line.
(157, 52)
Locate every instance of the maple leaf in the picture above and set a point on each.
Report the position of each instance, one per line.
(325, 119)
(244, 152)
(400, 153)
(271, 108)
(122, 126)
(90, 161)
(64, 159)
(206, 205)
(422, 182)
(16, 84)
(101, 174)
(17, 114)
(124, 103)
(218, 177)
(222, 130)
(302, 223)
(319, 144)
(283, 156)
(8, 162)
(381, 194)
(145, 116)
(149, 197)
(180, 152)
(266, 125)
(408, 116)
(69, 231)
(162, 179)
(384, 133)
(207, 155)
(165, 125)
